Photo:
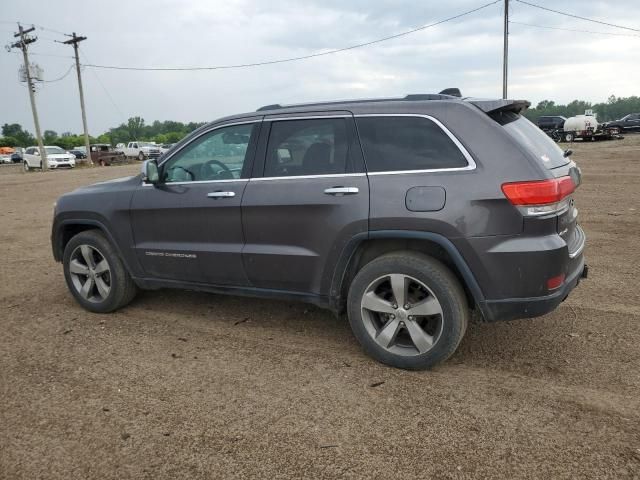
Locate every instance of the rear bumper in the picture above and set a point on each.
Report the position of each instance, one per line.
(514, 308)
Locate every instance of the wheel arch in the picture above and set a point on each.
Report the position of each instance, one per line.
(67, 229)
(365, 247)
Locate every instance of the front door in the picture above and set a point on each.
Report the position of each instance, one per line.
(188, 228)
(308, 197)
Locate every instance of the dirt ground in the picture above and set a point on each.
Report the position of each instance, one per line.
(192, 385)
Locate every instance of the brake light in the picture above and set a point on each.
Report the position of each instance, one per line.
(540, 197)
(540, 192)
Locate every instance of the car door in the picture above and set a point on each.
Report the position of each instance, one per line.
(308, 197)
(32, 157)
(633, 122)
(188, 228)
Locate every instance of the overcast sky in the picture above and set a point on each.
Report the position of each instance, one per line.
(465, 53)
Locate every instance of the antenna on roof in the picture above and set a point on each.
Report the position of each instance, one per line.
(454, 92)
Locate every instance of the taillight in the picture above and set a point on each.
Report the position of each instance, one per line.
(540, 197)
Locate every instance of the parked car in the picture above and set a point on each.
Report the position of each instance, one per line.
(139, 150)
(79, 154)
(16, 157)
(104, 155)
(406, 214)
(56, 158)
(5, 157)
(551, 122)
(628, 123)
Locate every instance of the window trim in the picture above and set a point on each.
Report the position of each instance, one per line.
(196, 138)
(471, 164)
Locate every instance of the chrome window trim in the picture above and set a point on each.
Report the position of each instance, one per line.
(303, 177)
(198, 182)
(310, 117)
(471, 164)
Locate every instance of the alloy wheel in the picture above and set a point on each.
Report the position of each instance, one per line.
(90, 273)
(402, 314)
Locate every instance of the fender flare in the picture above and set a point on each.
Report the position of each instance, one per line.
(56, 238)
(352, 246)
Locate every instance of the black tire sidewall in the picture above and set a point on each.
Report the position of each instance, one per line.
(118, 274)
(441, 282)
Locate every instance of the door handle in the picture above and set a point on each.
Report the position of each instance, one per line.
(338, 191)
(221, 194)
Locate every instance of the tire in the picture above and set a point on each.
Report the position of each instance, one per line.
(141, 156)
(110, 289)
(26, 166)
(101, 163)
(440, 310)
(569, 137)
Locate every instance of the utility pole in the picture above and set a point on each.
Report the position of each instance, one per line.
(74, 41)
(25, 40)
(505, 51)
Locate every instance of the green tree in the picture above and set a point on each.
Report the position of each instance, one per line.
(8, 142)
(15, 130)
(49, 136)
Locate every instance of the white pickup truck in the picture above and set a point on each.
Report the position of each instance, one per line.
(139, 150)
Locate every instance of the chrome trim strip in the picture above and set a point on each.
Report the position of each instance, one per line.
(471, 164)
(583, 241)
(198, 182)
(310, 117)
(299, 177)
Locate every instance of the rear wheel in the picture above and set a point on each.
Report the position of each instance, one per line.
(407, 310)
(141, 156)
(569, 137)
(95, 273)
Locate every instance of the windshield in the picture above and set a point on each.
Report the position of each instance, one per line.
(54, 150)
(532, 139)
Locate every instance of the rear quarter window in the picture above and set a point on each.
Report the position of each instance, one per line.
(531, 139)
(397, 143)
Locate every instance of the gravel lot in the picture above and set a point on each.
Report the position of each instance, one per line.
(192, 385)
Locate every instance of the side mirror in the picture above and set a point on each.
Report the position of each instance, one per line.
(150, 172)
(37, 153)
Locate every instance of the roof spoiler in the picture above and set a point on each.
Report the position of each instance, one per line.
(454, 92)
(495, 106)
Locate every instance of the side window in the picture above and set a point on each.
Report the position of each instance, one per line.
(307, 147)
(396, 143)
(217, 155)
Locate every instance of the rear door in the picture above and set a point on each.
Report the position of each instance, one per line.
(307, 198)
(188, 228)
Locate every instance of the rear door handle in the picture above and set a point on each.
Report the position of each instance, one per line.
(221, 194)
(342, 191)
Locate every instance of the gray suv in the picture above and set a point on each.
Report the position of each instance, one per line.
(410, 215)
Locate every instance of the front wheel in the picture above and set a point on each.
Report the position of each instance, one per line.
(95, 273)
(26, 166)
(407, 310)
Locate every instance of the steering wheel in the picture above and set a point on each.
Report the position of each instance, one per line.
(223, 168)
(176, 167)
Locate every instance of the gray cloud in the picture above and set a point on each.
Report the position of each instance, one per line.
(465, 53)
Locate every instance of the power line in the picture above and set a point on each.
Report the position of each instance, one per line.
(60, 78)
(95, 74)
(304, 57)
(577, 16)
(573, 30)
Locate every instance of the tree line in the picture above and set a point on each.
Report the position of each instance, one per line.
(613, 109)
(169, 131)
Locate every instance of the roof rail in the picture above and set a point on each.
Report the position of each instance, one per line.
(455, 93)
